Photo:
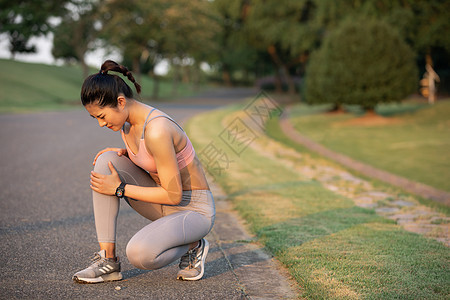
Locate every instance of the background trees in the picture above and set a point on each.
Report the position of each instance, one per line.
(363, 62)
(21, 20)
(76, 33)
(286, 31)
(147, 32)
(241, 40)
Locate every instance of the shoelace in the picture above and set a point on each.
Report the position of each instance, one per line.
(189, 259)
(184, 261)
(192, 257)
(97, 259)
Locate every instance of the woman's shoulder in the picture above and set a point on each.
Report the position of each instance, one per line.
(158, 128)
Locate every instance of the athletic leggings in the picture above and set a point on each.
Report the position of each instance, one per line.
(173, 227)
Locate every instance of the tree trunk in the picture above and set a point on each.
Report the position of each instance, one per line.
(196, 76)
(370, 111)
(155, 92)
(278, 82)
(136, 68)
(175, 78)
(289, 80)
(226, 75)
(278, 65)
(432, 77)
(337, 108)
(80, 51)
(85, 68)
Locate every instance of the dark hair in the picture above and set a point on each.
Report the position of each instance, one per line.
(104, 88)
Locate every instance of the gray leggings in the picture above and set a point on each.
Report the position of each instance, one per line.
(173, 227)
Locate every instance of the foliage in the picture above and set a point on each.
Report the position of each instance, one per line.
(420, 23)
(239, 38)
(152, 30)
(146, 32)
(76, 33)
(363, 62)
(431, 25)
(234, 52)
(287, 24)
(285, 30)
(22, 20)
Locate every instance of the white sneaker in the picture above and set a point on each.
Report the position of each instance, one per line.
(101, 270)
(192, 264)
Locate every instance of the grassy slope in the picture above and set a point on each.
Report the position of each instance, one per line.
(415, 145)
(332, 248)
(27, 86)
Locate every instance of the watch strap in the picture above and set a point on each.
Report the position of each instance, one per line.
(120, 191)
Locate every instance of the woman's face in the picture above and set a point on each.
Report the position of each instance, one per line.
(111, 117)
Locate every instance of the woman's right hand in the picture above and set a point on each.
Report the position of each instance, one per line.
(119, 151)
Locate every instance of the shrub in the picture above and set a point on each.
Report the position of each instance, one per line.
(363, 62)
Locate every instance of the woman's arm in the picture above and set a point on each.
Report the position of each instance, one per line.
(159, 142)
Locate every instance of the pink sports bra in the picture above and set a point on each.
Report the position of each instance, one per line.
(146, 161)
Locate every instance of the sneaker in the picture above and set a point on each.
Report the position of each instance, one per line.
(102, 269)
(192, 264)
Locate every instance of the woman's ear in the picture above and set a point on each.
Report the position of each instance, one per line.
(121, 102)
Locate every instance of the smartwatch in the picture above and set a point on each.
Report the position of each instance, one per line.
(120, 191)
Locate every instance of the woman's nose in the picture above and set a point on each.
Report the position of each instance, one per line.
(101, 123)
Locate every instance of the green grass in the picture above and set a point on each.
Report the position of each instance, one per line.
(333, 249)
(31, 87)
(274, 131)
(414, 143)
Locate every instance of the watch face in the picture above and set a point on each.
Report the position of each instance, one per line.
(119, 192)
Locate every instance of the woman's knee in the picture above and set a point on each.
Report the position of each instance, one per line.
(101, 164)
(140, 256)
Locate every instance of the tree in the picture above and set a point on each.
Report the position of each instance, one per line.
(189, 35)
(285, 30)
(234, 53)
(24, 19)
(364, 62)
(148, 31)
(422, 24)
(76, 33)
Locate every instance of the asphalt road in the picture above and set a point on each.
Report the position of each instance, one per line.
(46, 220)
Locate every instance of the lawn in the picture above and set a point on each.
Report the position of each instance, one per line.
(412, 140)
(31, 87)
(332, 248)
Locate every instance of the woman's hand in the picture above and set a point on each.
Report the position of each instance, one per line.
(119, 151)
(105, 184)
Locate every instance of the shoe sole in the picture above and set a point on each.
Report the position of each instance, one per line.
(202, 265)
(104, 278)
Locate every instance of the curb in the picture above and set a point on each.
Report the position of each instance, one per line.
(259, 276)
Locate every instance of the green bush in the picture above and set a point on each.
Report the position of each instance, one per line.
(363, 62)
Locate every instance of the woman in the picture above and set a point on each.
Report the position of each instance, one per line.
(158, 174)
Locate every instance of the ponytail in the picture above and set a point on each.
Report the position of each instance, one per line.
(103, 88)
(110, 65)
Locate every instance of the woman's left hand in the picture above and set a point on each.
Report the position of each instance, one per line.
(105, 184)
